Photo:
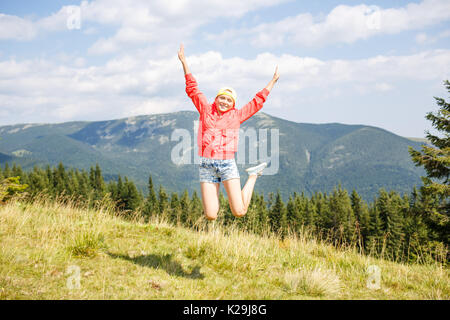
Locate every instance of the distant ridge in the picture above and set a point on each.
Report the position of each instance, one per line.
(422, 140)
(312, 157)
(5, 158)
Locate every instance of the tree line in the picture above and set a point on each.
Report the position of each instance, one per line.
(391, 226)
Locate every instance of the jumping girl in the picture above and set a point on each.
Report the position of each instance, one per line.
(218, 134)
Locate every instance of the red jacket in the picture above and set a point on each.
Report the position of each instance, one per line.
(218, 135)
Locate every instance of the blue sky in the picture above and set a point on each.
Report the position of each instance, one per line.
(377, 63)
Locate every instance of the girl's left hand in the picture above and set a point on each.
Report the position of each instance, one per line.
(276, 75)
(181, 54)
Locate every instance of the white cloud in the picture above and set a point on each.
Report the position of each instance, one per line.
(383, 86)
(58, 21)
(135, 84)
(13, 27)
(137, 22)
(153, 106)
(343, 24)
(103, 46)
(147, 23)
(423, 39)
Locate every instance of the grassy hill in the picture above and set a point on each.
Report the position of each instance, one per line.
(62, 251)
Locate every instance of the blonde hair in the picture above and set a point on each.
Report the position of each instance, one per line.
(227, 91)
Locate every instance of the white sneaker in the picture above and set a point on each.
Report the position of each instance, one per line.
(257, 170)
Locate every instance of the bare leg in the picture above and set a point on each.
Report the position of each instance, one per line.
(210, 199)
(239, 200)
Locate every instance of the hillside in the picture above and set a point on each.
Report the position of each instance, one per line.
(309, 158)
(52, 251)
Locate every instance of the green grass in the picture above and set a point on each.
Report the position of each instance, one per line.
(55, 251)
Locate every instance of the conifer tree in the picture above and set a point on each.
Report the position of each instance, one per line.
(264, 224)
(163, 200)
(133, 198)
(97, 183)
(17, 172)
(119, 197)
(45, 181)
(436, 162)
(364, 223)
(127, 196)
(72, 185)
(375, 239)
(323, 209)
(292, 216)
(270, 200)
(277, 216)
(7, 171)
(49, 174)
(60, 179)
(196, 211)
(92, 177)
(356, 204)
(175, 208)
(417, 232)
(300, 205)
(35, 182)
(342, 217)
(83, 180)
(382, 204)
(311, 216)
(362, 216)
(151, 205)
(185, 210)
(394, 226)
(111, 188)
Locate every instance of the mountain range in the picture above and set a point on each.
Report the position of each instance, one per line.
(304, 157)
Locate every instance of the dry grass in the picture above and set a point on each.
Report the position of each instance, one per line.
(51, 250)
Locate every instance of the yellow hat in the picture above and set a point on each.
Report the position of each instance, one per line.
(228, 92)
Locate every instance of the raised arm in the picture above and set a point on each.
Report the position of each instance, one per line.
(183, 60)
(192, 91)
(275, 78)
(257, 103)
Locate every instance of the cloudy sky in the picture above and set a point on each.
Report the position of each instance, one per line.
(375, 62)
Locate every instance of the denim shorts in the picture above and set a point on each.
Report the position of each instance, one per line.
(216, 170)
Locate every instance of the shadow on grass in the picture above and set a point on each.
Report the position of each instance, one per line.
(159, 261)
